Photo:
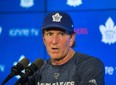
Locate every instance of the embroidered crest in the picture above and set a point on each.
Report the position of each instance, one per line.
(108, 32)
(56, 75)
(57, 17)
(26, 3)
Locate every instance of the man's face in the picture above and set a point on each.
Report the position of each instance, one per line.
(57, 43)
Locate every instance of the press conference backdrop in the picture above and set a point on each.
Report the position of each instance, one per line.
(20, 33)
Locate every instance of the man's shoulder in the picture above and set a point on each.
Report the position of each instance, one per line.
(81, 58)
(85, 63)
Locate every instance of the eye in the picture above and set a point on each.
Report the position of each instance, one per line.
(62, 34)
(49, 34)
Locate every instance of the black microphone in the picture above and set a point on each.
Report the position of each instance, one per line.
(16, 70)
(30, 70)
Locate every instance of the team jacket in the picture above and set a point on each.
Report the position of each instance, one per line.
(80, 70)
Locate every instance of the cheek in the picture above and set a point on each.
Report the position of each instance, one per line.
(47, 45)
(46, 41)
(65, 44)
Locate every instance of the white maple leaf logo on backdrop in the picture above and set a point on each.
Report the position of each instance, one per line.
(74, 3)
(108, 32)
(26, 3)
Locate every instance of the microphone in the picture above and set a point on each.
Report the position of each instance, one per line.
(16, 70)
(29, 71)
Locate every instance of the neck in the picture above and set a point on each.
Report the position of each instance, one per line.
(65, 59)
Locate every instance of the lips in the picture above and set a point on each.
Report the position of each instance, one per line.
(55, 50)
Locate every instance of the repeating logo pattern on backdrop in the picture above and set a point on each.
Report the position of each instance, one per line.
(74, 3)
(24, 32)
(26, 3)
(0, 30)
(108, 32)
(2, 67)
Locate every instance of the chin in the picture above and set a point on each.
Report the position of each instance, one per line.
(57, 58)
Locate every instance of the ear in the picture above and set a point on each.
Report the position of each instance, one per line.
(72, 39)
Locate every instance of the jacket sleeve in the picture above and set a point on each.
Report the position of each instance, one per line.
(92, 72)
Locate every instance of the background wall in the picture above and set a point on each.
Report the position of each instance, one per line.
(20, 34)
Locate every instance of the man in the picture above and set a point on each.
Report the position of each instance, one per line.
(65, 66)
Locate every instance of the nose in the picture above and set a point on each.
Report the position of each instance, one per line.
(55, 40)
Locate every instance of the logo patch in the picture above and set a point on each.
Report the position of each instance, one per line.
(57, 17)
(56, 75)
(108, 32)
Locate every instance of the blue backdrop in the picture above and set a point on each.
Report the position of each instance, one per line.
(20, 34)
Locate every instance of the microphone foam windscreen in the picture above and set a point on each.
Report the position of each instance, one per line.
(39, 62)
(24, 62)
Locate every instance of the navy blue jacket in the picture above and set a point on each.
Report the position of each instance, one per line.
(80, 70)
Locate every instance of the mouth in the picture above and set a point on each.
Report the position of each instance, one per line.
(54, 50)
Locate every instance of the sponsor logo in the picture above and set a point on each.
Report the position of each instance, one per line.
(24, 32)
(74, 3)
(81, 31)
(26, 3)
(110, 70)
(108, 32)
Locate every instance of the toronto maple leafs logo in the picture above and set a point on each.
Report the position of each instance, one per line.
(26, 3)
(108, 32)
(56, 75)
(74, 3)
(57, 17)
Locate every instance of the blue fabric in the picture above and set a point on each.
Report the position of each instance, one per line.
(58, 20)
(80, 70)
